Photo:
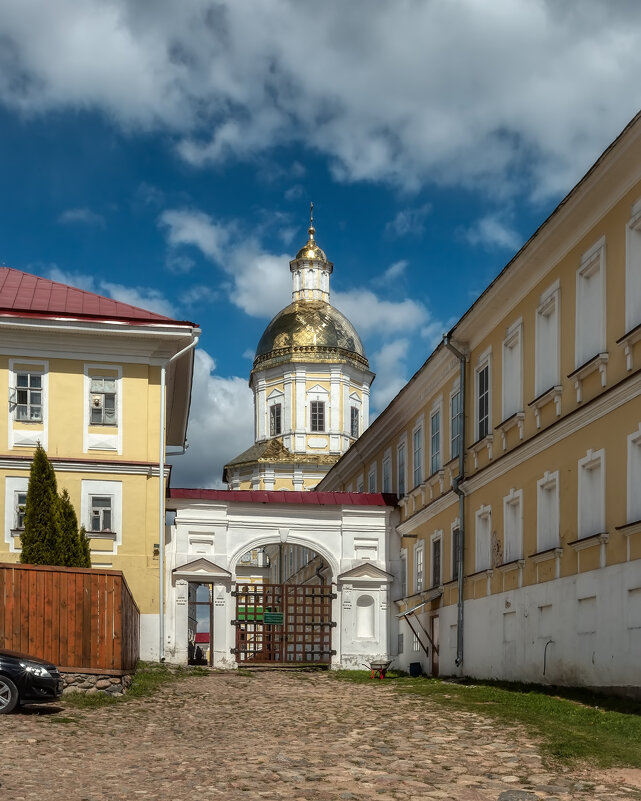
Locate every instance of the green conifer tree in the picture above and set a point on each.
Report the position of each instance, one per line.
(70, 550)
(84, 548)
(42, 514)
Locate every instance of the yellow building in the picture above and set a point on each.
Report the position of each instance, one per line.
(87, 377)
(516, 454)
(311, 382)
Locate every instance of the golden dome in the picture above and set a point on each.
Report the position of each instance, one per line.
(311, 250)
(310, 328)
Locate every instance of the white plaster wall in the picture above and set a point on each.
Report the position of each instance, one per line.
(594, 643)
(149, 631)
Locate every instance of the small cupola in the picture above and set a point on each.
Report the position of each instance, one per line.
(310, 269)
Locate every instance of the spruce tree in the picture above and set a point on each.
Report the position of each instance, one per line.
(73, 546)
(42, 514)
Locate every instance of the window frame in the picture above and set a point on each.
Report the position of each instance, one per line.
(549, 305)
(17, 389)
(94, 395)
(354, 421)
(386, 471)
(589, 487)
(316, 406)
(401, 467)
(633, 269)
(419, 566)
(372, 477)
(483, 554)
(275, 416)
(633, 497)
(512, 343)
(455, 527)
(514, 539)
(484, 363)
(436, 540)
(456, 423)
(436, 461)
(550, 537)
(417, 463)
(93, 507)
(593, 261)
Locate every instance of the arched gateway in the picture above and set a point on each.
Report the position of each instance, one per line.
(291, 577)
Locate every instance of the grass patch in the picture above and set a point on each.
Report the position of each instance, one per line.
(148, 678)
(570, 724)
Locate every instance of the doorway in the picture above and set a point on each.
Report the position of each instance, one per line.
(200, 624)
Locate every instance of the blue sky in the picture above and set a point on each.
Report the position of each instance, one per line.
(165, 154)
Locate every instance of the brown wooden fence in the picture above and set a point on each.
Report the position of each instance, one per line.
(83, 620)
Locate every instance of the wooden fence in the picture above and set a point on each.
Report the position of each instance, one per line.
(83, 620)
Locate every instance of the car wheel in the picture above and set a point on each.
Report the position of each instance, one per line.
(8, 695)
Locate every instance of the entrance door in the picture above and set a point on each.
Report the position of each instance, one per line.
(434, 621)
(287, 623)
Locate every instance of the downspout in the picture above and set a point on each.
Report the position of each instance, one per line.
(161, 496)
(456, 486)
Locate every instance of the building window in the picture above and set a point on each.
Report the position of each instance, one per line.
(456, 425)
(512, 371)
(317, 410)
(419, 575)
(401, 643)
(387, 473)
(546, 356)
(418, 456)
(436, 560)
(403, 575)
(360, 484)
(590, 304)
(483, 422)
(100, 508)
(416, 643)
(483, 538)
(275, 424)
(371, 478)
(27, 397)
(456, 536)
(354, 421)
(591, 494)
(633, 269)
(401, 469)
(513, 526)
(547, 513)
(20, 509)
(634, 476)
(103, 401)
(435, 442)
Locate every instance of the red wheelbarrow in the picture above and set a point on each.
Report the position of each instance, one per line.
(378, 669)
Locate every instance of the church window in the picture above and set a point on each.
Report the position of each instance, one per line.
(275, 425)
(317, 409)
(354, 427)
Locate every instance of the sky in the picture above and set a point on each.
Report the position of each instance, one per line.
(165, 154)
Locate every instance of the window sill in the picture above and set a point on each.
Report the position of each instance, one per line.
(485, 573)
(476, 447)
(550, 395)
(629, 529)
(627, 341)
(514, 420)
(507, 567)
(34, 423)
(589, 542)
(547, 555)
(596, 363)
(102, 535)
(16, 532)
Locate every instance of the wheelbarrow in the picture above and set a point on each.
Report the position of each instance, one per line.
(378, 669)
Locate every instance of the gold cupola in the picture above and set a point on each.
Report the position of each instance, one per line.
(310, 269)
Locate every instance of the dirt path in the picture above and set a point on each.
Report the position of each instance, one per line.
(304, 737)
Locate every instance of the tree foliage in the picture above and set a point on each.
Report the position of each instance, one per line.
(51, 535)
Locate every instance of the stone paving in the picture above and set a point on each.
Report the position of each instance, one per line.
(301, 737)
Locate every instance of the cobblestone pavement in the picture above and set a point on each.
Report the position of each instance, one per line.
(304, 737)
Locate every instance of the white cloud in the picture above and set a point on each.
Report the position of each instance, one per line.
(492, 233)
(394, 272)
(516, 95)
(143, 297)
(220, 425)
(294, 192)
(82, 215)
(198, 293)
(370, 314)
(261, 281)
(408, 221)
(390, 365)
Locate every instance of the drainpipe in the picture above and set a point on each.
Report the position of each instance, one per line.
(461, 496)
(161, 495)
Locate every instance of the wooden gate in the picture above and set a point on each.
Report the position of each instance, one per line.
(283, 623)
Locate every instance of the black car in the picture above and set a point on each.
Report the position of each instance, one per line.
(27, 680)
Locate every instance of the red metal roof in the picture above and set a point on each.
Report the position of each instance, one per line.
(26, 295)
(288, 497)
